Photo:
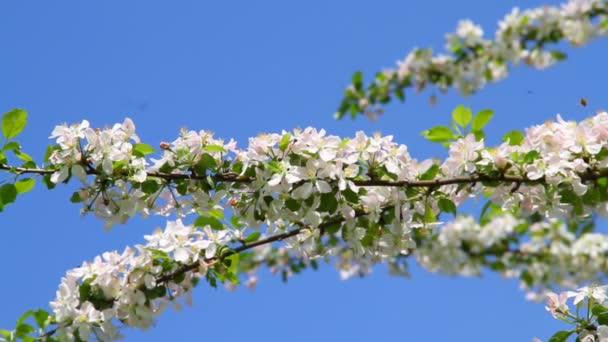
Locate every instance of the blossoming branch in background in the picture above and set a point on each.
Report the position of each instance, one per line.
(472, 61)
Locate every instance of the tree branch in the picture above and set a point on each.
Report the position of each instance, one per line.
(230, 177)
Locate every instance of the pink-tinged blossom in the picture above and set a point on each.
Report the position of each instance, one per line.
(463, 154)
(556, 303)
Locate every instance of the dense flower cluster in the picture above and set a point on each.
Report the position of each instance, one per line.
(541, 254)
(473, 61)
(134, 286)
(362, 199)
(306, 177)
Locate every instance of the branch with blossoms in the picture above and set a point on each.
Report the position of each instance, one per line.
(362, 200)
(589, 320)
(472, 61)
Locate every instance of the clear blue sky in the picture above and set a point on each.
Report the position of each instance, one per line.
(240, 68)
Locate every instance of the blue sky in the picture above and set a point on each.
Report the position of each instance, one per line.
(240, 68)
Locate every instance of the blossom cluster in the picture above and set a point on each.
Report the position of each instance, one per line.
(362, 199)
(590, 326)
(134, 286)
(473, 61)
(306, 177)
(543, 254)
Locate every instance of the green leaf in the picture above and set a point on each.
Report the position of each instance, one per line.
(293, 204)
(429, 215)
(275, 166)
(11, 146)
(217, 213)
(75, 198)
(358, 80)
(207, 162)
(462, 115)
(439, 134)
(46, 179)
(254, 236)
(601, 312)
(150, 186)
(514, 137)
(214, 148)
(400, 94)
(8, 193)
(13, 122)
(447, 206)
(233, 266)
(84, 291)
(558, 55)
(561, 336)
(161, 291)
(333, 228)
(23, 156)
(430, 173)
(142, 149)
(481, 119)
(285, 139)
(328, 204)
(41, 316)
(202, 221)
(236, 221)
(350, 195)
(23, 329)
(531, 156)
(479, 135)
(24, 185)
(24, 316)
(527, 278)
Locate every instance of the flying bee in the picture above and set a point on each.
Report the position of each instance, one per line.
(583, 102)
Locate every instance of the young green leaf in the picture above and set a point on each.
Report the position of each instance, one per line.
(217, 213)
(462, 115)
(11, 146)
(284, 141)
(142, 149)
(358, 80)
(13, 122)
(481, 119)
(24, 185)
(214, 148)
(41, 317)
(558, 55)
(429, 215)
(254, 236)
(23, 156)
(514, 137)
(430, 173)
(202, 221)
(439, 134)
(561, 336)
